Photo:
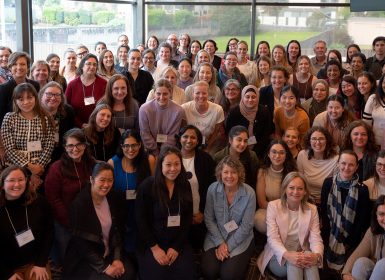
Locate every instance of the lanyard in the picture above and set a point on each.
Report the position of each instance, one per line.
(168, 209)
(26, 216)
(92, 92)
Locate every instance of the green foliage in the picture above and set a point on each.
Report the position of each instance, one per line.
(71, 18)
(59, 15)
(232, 21)
(156, 18)
(102, 17)
(184, 18)
(85, 17)
(49, 15)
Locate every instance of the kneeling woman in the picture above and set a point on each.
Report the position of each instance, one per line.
(229, 216)
(294, 245)
(95, 249)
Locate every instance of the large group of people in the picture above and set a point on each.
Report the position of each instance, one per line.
(131, 166)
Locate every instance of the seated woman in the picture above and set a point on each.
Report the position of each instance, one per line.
(345, 209)
(367, 260)
(294, 246)
(318, 160)
(277, 164)
(160, 118)
(164, 211)
(65, 178)
(230, 207)
(102, 136)
(238, 148)
(354, 101)
(95, 249)
(26, 228)
(376, 184)
(291, 138)
(360, 138)
(230, 97)
(317, 104)
(201, 166)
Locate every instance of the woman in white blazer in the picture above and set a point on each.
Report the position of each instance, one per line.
(294, 246)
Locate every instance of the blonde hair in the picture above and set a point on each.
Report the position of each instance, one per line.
(285, 183)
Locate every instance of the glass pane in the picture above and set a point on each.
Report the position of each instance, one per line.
(8, 23)
(62, 24)
(249, 1)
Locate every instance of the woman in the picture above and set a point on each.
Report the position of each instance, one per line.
(125, 109)
(26, 228)
(335, 119)
(360, 138)
(318, 160)
(152, 43)
(374, 113)
(148, 61)
(205, 72)
(184, 44)
(54, 66)
(263, 49)
(278, 162)
(185, 73)
(28, 133)
(160, 118)
(290, 113)
(85, 91)
(317, 104)
(95, 247)
(345, 209)
(357, 64)
(230, 206)
(367, 260)
(69, 70)
(354, 101)
(279, 58)
(40, 72)
(350, 50)
(201, 56)
(231, 96)
(229, 70)
(210, 46)
(101, 134)
(231, 45)
(5, 73)
(264, 66)
(106, 67)
(376, 184)
(237, 148)
(164, 211)
(99, 47)
(293, 53)
(51, 98)
(366, 85)
(255, 117)
(246, 67)
(303, 78)
(121, 64)
(201, 166)
(292, 223)
(164, 60)
(332, 55)
(292, 140)
(195, 47)
(66, 177)
(334, 76)
(132, 165)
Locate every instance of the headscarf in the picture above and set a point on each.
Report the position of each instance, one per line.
(249, 113)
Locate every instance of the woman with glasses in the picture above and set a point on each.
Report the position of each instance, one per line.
(148, 61)
(229, 70)
(66, 177)
(376, 184)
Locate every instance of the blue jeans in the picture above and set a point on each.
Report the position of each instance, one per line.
(364, 268)
(291, 271)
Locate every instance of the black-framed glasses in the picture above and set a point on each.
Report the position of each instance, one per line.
(130, 146)
(78, 146)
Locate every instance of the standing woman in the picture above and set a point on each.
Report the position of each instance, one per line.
(230, 207)
(66, 177)
(360, 139)
(184, 44)
(121, 64)
(54, 64)
(40, 72)
(229, 70)
(69, 70)
(293, 53)
(185, 73)
(317, 104)
(195, 47)
(164, 212)
(26, 228)
(292, 223)
(292, 140)
(350, 50)
(201, 56)
(5, 73)
(366, 85)
(85, 91)
(303, 77)
(334, 76)
(354, 101)
(245, 66)
(125, 109)
(152, 43)
(106, 67)
(231, 45)
(28, 133)
(335, 119)
(263, 49)
(264, 66)
(101, 134)
(95, 247)
(210, 46)
(231, 95)
(279, 58)
(357, 63)
(160, 119)
(164, 60)
(148, 61)
(376, 184)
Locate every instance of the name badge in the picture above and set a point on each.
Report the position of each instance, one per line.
(251, 140)
(203, 140)
(89, 100)
(130, 194)
(33, 146)
(161, 138)
(231, 226)
(173, 221)
(24, 237)
(56, 137)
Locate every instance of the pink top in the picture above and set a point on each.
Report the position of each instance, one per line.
(104, 215)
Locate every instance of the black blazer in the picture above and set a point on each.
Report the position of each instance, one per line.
(217, 62)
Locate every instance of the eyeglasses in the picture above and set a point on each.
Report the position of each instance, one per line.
(149, 58)
(78, 146)
(380, 165)
(90, 64)
(279, 153)
(82, 54)
(130, 146)
(52, 95)
(317, 139)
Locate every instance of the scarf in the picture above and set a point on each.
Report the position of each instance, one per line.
(223, 76)
(249, 114)
(341, 219)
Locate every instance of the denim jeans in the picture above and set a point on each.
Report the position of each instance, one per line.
(364, 268)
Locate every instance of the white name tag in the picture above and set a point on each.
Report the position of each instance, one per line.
(89, 100)
(231, 226)
(203, 140)
(24, 237)
(161, 138)
(130, 194)
(33, 146)
(56, 137)
(251, 140)
(173, 221)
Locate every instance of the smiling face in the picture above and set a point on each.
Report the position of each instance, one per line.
(359, 137)
(195, 48)
(277, 155)
(381, 215)
(165, 54)
(201, 94)
(277, 79)
(171, 77)
(131, 148)
(333, 72)
(263, 49)
(230, 62)
(232, 92)
(20, 68)
(241, 50)
(171, 167)
(4, 56)
(347, 88)
(210, 48)
(295, 192)
(70, 59)
(162, 96)
(293, 50)
(54, 64)
(189, 140)
(239, 143)
(51, 98)
(278, 55)
(134, 60)
(364, 86)
(119, 90)
(203, 57)
(14, 185)
(288, 100)
(99, 48)
(229, 176)
(40, 73)
(347, 166)
(26, 103)
(304, 66)
(352, 50)
(184, 70)
(250, 100)
(90, 67)
(205, 74)
(123, 55)
(74, 148)
(320, 92)
(291, 138)
(102, 183)
(334, 110)
(149, 60)
(318, 142)
(108, 59)
(152, 43)
(103, 119)
(263, 67)
(357, 64)
(380, 168)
